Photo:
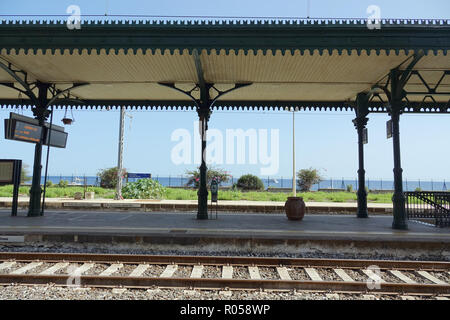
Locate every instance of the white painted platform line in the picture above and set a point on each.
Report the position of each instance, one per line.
(197, 272)
(430, 277)
(408, 298)
(372, 275)
(254, 273)
(312, 273)
(111, 269)
(401, 276)
(26, 268)
(139, 270)
(82, 269)
(227, 272)
(55, 268)
(7, 265)
(283, 273)
(169, 271)
(442, 298)
(343, 275)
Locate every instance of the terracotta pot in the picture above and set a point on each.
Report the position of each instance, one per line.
(295, 208)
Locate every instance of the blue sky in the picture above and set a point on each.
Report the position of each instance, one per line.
(324, 140)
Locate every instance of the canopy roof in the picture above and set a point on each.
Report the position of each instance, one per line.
(313, 64)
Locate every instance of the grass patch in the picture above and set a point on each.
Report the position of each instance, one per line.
(190, 194)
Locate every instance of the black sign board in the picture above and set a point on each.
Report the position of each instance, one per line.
(57, 138)
(6, 172)
(365, 137)
(10, 171)
(389, 129)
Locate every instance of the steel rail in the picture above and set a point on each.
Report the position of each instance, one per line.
(223, 260)
(237, 284)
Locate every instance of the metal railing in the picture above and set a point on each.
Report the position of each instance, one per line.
(433, 205)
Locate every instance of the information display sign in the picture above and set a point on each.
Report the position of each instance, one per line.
(27, 129)
(7, 172)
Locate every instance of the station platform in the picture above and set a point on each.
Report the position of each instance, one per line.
(191, 205)
(238, 230)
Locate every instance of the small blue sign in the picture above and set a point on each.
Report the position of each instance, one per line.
(139, 175)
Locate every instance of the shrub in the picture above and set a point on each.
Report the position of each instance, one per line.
(219, 175)
(49, 184)
(250, 182)
(144, 189)
(108, 177)
(63, 183)
(307, 178)
(349, 188)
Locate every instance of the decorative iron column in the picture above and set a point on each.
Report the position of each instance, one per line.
(360, 123)
(204, 112)
(41, 113)
(398, 199)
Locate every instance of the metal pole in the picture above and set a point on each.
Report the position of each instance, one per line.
(294, 187)
(120, 157)
(40, 112)
(46, 162)
(203, 191)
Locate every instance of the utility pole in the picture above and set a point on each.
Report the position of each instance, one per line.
(120, 158)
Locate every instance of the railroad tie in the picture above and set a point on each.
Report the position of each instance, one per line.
(254, 273)
(372, 275)
(402, 276)
(283, 273)
(343, 275)
(55, 268)
(82, 269)
(312, 273)
(111, 269)
(7, 265)
(169, 271)
(26, 268)
(430, 277)
(227, 272)
(139, 270)
(197, 272)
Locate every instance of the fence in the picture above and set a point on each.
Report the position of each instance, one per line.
(433, 205)
(278, 182)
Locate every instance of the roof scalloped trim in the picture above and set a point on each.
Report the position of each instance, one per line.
(209, 51)
(375, 107)
(206, 21)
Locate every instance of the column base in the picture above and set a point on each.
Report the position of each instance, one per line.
(400, 225)
(362, 214)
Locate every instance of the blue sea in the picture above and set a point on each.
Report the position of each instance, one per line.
(277, 182)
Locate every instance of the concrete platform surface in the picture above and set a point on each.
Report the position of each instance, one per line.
(191, 205)
(233, 226)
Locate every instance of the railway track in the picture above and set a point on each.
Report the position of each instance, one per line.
(217, 272)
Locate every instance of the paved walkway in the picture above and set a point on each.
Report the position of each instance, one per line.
(191, 205)
(227, 225)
